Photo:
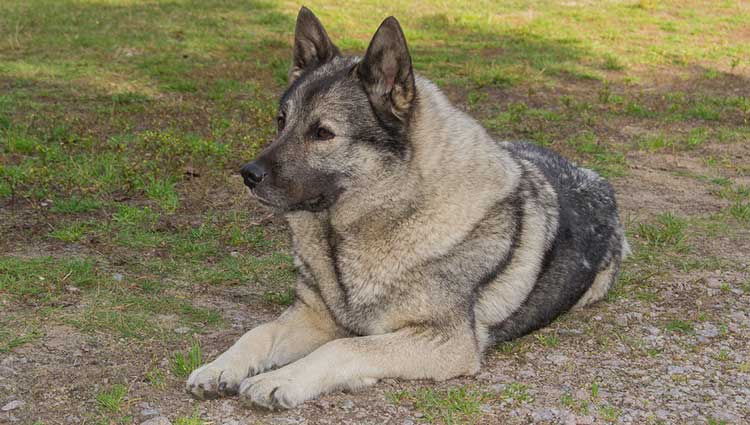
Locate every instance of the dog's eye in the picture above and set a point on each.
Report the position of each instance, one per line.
(323, 134)
(280, 122)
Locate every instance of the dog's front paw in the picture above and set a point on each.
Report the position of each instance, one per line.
(277, 389)
(215, 379)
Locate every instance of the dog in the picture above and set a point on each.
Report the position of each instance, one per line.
(420, 241)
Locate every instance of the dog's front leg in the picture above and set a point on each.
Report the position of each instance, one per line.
(347, 363)
(298, 331)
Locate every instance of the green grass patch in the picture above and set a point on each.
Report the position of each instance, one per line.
(678, 325)
(72, 232)
(112, 400)
(516, 392)
(283, 298)
(452, 406)
(668, 231)
(76, 205)
(183, 365)
(40, 280)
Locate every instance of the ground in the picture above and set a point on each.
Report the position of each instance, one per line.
(130, 253)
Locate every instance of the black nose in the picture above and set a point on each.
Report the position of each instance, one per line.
(253, 173)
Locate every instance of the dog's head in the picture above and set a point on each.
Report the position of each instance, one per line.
(342, 122)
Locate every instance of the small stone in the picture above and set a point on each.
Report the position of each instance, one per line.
(672, 370)
(234, 254)
(485, 408)
(15, 404)
(159, 420)
(71, 288)
(713, 282)
(149, 412)
(498, 388)
(182, 330)
(72, 419)
(347, 405)
(543, 415)
(558, 359)
(569, 419)
(661, 414)
(585, 420)
(118, 277)
(622, 321)
(708, 331)
(418, 415)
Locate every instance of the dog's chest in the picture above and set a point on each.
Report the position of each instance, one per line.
(357, 288)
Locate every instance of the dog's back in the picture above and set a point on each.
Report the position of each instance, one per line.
(583, 261)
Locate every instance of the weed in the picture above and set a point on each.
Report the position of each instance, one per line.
(76, 205)
(609, 413)
(679, 326)
(183, 365)
(516, 392)
(195, 419)
(112, 399)
(453, 406)
(668, 232)
(156, 378)
(284, 298)
(547, 340)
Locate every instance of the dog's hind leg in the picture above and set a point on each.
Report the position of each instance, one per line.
(348, 363)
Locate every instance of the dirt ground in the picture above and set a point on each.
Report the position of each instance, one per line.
(178, 255)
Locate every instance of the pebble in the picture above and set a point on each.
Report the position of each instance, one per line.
(159, 420)
(13, 405)
(672, 370)
(118, 277)
(543, 415)
(498, 388)
(708, 331)
(149, 412)
(347, 405)
(182, 330)
(558, 359)
(713, 282)
(585, 420)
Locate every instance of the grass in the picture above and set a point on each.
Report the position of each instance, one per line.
(119, 146)
(194, 419)
(112, 400)
(183, 364)
(680, 326)
(452, 406)
(667, 232)
(516, 392)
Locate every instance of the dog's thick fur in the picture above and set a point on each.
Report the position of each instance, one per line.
(420, 241)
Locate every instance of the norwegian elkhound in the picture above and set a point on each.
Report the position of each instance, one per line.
(420, 241)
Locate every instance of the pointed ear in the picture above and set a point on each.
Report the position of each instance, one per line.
(386, 72)
(312, 47)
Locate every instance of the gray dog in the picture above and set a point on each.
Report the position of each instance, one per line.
(420, 241)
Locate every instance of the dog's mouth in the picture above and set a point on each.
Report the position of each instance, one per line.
(315, 204)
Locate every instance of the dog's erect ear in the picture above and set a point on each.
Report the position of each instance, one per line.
(312, 46)
(386, 72)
